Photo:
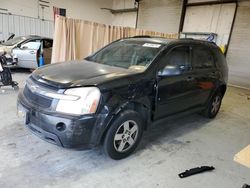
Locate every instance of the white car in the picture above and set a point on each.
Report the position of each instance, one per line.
(26, 50)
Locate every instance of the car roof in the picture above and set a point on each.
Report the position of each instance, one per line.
(166, 41)
(149, 39)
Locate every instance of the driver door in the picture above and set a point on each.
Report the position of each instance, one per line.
(27, 54)
(175, 82)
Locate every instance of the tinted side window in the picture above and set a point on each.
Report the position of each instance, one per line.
(177, 57)
(202, 58)
(47, 43)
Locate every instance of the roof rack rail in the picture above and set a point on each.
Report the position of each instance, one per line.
(186, 38)
(141, 36)
(211, 42)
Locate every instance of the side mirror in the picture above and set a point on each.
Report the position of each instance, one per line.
(18, 46)
(170, 71)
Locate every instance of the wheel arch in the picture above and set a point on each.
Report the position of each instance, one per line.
(222, 88)
(143, 110)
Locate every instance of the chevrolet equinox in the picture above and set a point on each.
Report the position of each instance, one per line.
(111, 97)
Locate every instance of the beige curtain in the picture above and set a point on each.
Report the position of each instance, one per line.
(76, 39)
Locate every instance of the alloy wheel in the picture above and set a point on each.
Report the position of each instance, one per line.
(125, 136)
(215, 105)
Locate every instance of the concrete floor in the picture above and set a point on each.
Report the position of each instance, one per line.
(166, 150)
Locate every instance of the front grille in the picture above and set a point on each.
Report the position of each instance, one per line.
(37, 99)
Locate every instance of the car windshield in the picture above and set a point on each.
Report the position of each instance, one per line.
(128, 54)
(14, 41)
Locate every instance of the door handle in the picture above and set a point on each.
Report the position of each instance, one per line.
(32, 52)
(190, 78)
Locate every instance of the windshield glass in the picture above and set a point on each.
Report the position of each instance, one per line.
(14, 41)
(127, 54)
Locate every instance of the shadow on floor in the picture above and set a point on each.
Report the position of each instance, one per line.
(168, 131)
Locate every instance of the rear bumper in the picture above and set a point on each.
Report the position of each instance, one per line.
(82, 132)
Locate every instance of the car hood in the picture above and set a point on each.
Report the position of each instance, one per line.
(78, 73)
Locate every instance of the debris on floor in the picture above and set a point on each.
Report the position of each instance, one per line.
(194, 171)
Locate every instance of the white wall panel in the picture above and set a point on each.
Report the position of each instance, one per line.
(5, 24)
(127, 19)
(160, 15)
(211, 18)
(79, 9)
(239, 48)
(21, 25)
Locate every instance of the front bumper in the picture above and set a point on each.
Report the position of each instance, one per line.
(11, 61)
(81, 132)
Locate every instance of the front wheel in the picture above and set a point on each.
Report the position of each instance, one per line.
(213, 106)
(124, 135)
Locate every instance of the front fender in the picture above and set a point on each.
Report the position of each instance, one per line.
(115, 104)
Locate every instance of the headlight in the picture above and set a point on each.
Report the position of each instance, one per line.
(86, 103)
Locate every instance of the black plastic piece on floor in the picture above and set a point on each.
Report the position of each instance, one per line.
(246, 186)
(194, 171)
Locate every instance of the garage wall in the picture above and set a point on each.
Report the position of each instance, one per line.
(160, 15)
(127, 19)
(22, 25)
(239, 48)
(81, 9)
(23, 8)
(211, 18)
(200, 1)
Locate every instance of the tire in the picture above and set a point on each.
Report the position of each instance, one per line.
(15, 87)
(213, 106)
(124, 135)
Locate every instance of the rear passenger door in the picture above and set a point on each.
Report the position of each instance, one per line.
(204, 71)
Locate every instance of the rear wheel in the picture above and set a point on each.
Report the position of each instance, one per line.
(213, 106)
(124, 135)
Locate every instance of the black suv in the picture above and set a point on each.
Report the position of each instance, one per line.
(112, 96)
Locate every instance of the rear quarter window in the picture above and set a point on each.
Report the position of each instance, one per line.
(202, 57)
